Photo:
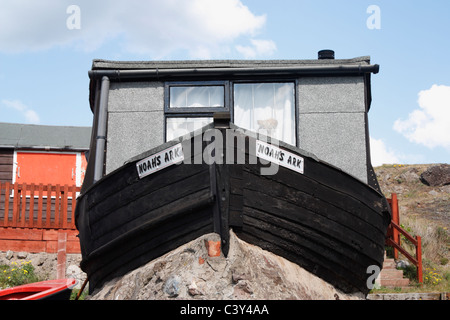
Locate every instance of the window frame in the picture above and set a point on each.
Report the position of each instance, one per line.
(195, 110)
(199, 112)
(282, 80)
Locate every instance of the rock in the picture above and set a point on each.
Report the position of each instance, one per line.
(45, 264)
(436, 176)
(402, 264)
(236, 276)
(22, 255)
(193, 290)
(247, 273)
(40, 259)
(74, 271)
(445, 190)
(172, 286)
(410, 176)
(398, 189)
(9, 255)
(244, 286)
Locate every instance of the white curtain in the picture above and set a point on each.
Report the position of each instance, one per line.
(267, 108)
(177, 127)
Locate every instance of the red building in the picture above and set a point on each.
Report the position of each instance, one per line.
(35, 162)
(43, 154)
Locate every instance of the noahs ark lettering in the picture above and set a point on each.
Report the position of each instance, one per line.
(270, 152)
(279, 156)
(160, 160)
(151, 163)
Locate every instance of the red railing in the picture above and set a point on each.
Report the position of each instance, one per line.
(393, 238)
(37, 206)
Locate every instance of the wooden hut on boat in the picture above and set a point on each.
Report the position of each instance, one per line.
(278, 151)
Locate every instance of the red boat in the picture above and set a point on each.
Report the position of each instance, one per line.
(59, 289)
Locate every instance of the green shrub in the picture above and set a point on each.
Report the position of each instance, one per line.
(431, 277)
(17, 274)
(410, 272)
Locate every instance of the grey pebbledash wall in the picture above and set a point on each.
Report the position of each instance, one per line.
(135, 120)
(331, 122)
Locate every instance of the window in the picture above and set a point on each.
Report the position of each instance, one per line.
(264, 107)
(190, 106)
(196, 97)
(267, 108)
(179, 126)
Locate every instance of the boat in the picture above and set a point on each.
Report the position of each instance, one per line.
(219, 178)
(59, 289)
(276, 151)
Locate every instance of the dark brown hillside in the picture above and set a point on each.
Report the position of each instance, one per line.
(415, 197)
(424, 211)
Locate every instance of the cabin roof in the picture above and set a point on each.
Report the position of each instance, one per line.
(99, 64)
(14, 135)
(224, 69)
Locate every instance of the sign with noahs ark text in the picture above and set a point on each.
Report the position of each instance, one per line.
(160, 160)
(279, 156)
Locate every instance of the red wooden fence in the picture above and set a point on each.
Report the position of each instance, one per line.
(393, 238)
(32, 216)
(37, 206)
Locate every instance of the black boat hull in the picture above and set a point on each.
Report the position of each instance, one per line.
(323, 219)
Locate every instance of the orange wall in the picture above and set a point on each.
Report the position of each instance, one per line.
(48, 168)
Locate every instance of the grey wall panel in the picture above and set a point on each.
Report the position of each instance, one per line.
(337, 138)
(136, 96)
(331, 94)
(135, 120)
(130, 134)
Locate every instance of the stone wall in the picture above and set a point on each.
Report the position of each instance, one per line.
(45, 264)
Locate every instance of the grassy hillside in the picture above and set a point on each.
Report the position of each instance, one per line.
(424, 211)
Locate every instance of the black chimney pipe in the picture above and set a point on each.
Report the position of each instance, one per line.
(326, 54)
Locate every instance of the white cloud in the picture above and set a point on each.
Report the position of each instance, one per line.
(30, 115)
(31, 25)
(158, 28)
(380, 154)
(429, 125)
(257, 48)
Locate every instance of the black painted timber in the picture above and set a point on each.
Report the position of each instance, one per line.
(324, 220)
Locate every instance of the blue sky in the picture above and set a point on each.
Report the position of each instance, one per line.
(47, 48)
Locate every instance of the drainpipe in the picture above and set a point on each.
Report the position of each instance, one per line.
(101, 130)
